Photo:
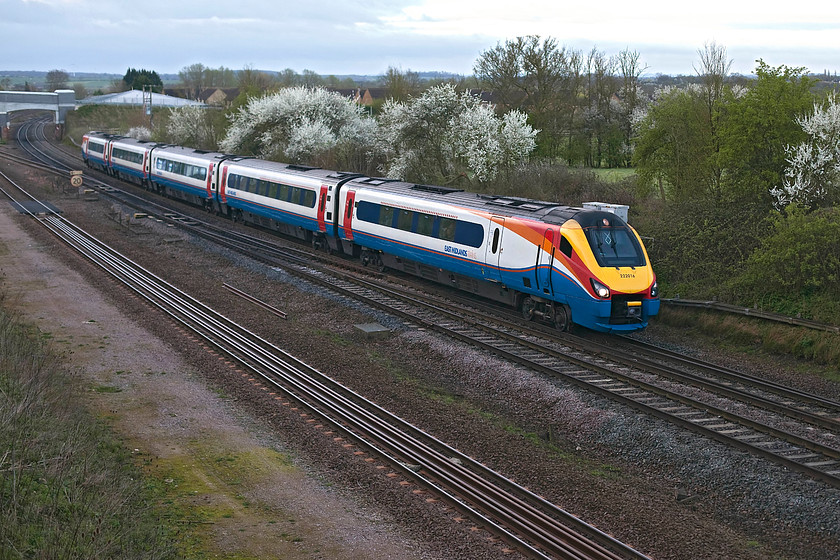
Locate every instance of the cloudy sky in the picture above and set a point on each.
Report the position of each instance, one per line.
(367, 36)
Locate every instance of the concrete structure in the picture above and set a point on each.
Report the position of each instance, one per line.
(60, 101)
(139, 98)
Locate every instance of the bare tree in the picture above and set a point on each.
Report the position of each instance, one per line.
(193, 77)
(401, 85)
(57, 79)
(713, 71)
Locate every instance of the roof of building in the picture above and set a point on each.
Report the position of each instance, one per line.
(135, 97)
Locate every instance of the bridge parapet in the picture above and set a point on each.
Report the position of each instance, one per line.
(59, 102)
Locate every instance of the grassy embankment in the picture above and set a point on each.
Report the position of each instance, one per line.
(68, 487)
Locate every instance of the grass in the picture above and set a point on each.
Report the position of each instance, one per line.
(750, 335)
(68, 487)
(615, 175)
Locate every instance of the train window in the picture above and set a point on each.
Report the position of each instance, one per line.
(308, 199)
(386, 216)
(368, 212)
(272, 190)
(496, 235)
(446, 229)
(468, 233)
(425, 223)
(284, 191)
(94, 147)
(404, 220)
(565, 246)
(262, 187)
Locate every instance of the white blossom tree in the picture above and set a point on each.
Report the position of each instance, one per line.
(190, 125)
(297, 124)
(139, 133)
(813, 172)
(443, 134)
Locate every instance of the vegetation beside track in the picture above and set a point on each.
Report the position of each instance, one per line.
(750, 335)
(68, 487)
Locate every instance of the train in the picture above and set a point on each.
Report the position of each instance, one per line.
(563, 265)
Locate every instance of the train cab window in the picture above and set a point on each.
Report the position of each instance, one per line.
(615, 246)
(565, 246)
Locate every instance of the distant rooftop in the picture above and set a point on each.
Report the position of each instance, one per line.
(135, 97)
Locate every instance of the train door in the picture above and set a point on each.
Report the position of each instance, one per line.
(347, 226)
(493, 250)
(322, 207)
(210, 183)
(107, 154)
(545, 261)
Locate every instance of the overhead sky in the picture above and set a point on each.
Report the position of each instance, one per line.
(368, 36)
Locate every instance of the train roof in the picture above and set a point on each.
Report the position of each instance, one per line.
(508, 206)
(189, 152)
(293, 169)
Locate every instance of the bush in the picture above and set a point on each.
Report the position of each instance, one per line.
(796, 269)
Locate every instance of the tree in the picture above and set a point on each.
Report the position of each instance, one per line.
(537, 76)
(56, 79)
(193, 78)
(630, 70)
(813, 172)
(799, 258)
(443, 135)
(142, 79)
(299, 125)
(714, 68)
(400, 85)
(672, 148)
(81, 90)
(253, 82)
(190, 125)
(760, 121)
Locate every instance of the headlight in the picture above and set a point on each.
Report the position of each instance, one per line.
(600, 290)
(654, 290)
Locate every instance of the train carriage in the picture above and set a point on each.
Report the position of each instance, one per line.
(291, 199)
(131, 159)
(96, 150)
(185, 173)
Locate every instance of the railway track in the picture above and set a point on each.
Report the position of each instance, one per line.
(794, 429)
(526, 521)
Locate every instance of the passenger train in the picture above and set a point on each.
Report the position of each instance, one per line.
(561, 264)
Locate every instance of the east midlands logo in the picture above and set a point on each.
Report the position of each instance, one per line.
(459, 252)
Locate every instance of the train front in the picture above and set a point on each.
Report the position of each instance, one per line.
(622, 293)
